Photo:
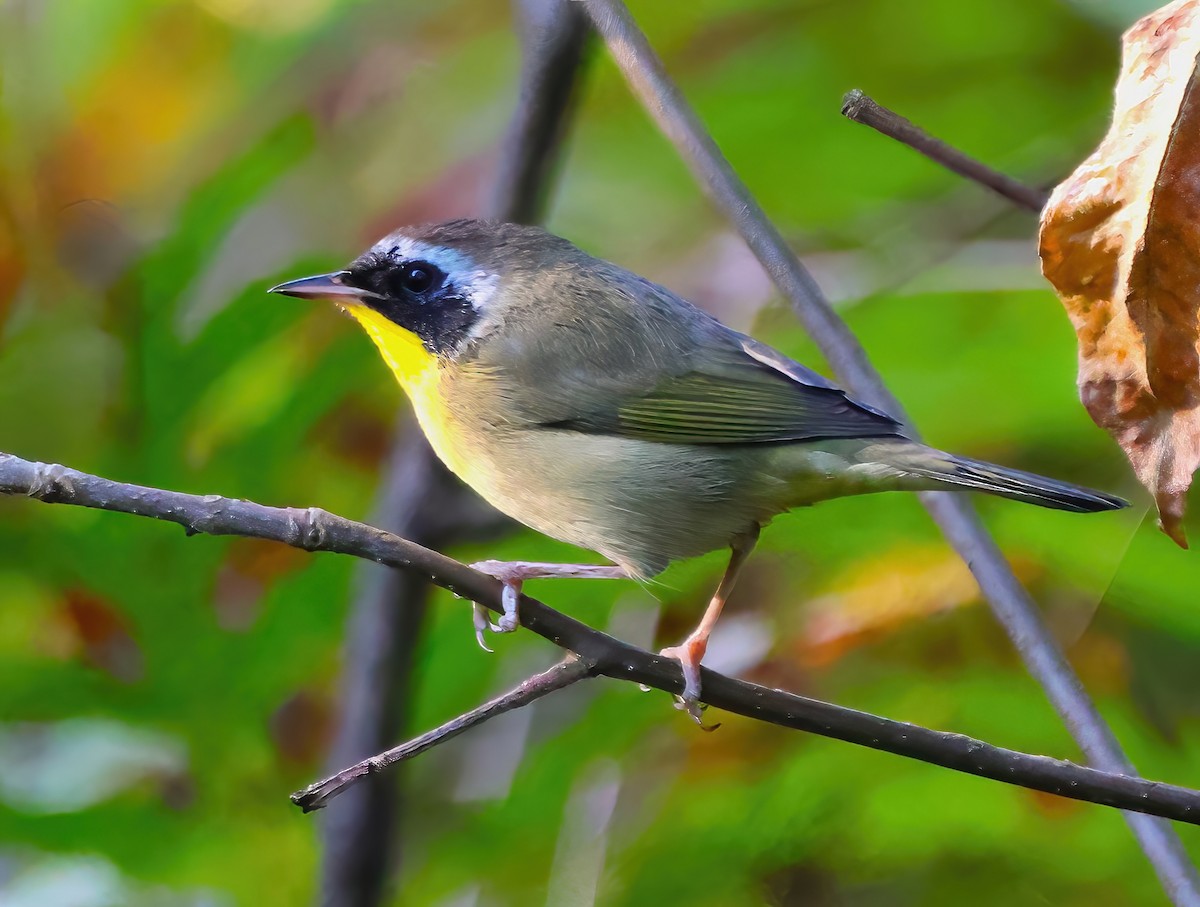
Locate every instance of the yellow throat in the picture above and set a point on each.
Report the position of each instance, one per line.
(413, 365)
(417, 371)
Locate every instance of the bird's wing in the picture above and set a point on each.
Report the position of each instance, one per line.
(737, 391)
(644, 363)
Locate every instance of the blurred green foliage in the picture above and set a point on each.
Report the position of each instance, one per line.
(162, 163)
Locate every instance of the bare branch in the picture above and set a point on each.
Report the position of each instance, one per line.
(555, 37)
(568, 671)
(316, 530)
(955, 515)
(861, 108)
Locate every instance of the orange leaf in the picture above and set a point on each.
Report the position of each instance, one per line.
(1120, 241)
(884, 593)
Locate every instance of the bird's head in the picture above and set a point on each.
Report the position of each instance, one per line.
(425, 293)
(433, 283)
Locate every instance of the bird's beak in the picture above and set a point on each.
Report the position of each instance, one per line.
(323, 286)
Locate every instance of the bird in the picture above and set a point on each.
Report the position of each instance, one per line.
(603, 410)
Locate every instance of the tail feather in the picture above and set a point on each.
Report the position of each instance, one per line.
(1017, 484)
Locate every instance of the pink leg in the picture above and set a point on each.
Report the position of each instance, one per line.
(691, 651)
(513, 575)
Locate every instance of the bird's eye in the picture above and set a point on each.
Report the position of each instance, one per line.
(418, 278)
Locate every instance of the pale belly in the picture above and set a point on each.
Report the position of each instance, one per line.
(638, 503)
(641, 504)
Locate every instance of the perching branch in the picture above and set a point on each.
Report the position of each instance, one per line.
(568, 671)
(863, 109)
(955, 515)
(316, 530)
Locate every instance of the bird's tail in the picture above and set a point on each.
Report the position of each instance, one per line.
(948, 469)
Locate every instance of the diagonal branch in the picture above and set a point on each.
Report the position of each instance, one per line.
(861, 108)
(568, 671)
(959, 523)
(316, 530)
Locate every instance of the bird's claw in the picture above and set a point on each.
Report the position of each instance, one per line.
(509, 620)
(482, 621)
(689, 655)
(509, 598)
(695, 710)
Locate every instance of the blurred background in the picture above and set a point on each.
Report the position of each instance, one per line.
(163, 162)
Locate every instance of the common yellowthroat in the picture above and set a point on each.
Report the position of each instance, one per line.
(605, 411)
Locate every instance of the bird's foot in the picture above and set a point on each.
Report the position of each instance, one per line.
(513, 578)
(513, 575)
(689, 653)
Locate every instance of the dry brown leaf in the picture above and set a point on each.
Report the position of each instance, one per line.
(1120, 241)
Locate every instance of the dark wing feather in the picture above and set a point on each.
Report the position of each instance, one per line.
(739, 391)
(772, 358)
(597, 349)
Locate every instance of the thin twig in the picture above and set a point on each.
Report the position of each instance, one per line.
(317, 530)
(955, 515)
(861, 108)
(566, 672)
